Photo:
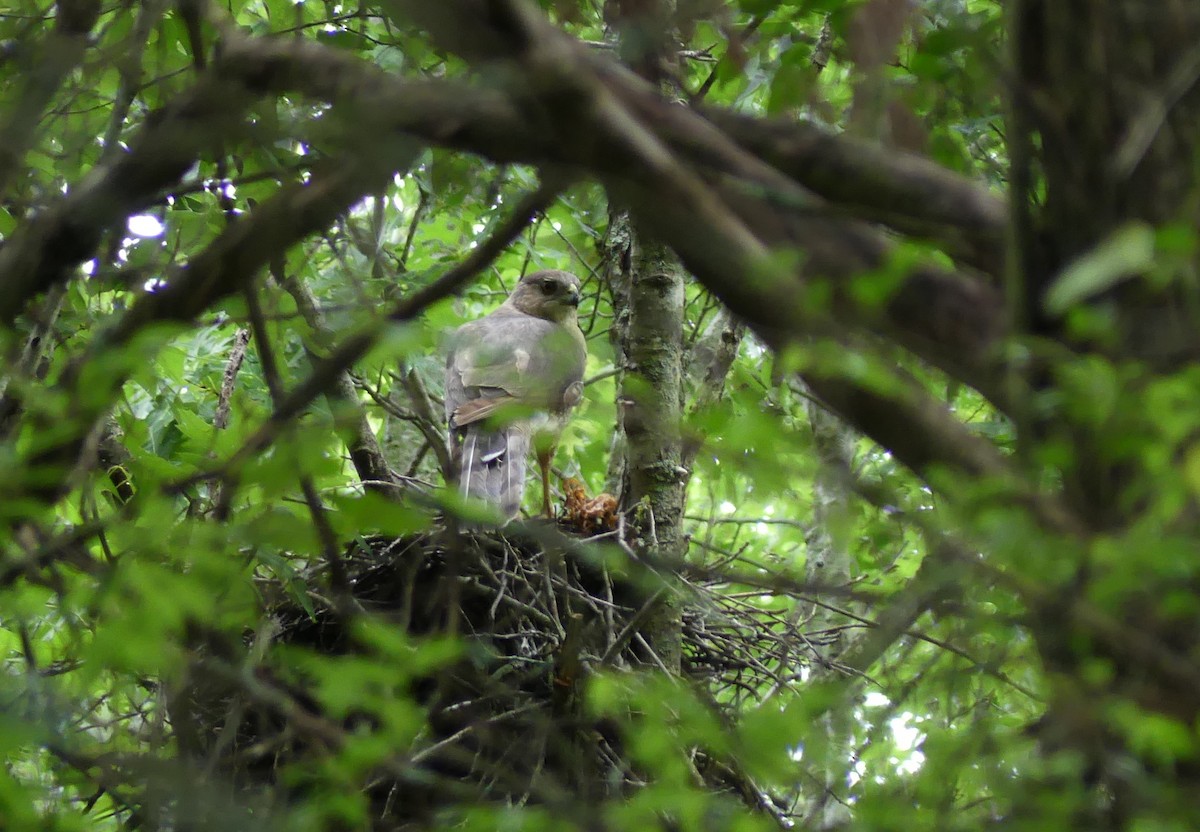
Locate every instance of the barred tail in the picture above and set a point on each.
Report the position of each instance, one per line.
(492, 467)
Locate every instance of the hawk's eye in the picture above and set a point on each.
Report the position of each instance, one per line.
(547, 287)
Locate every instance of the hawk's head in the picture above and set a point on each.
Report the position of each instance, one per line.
(553, 295)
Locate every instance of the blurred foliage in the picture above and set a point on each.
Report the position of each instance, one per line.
(98, 595)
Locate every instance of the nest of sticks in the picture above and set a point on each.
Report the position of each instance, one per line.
(540, 611)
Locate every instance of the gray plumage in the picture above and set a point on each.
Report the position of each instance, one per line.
(511, 378)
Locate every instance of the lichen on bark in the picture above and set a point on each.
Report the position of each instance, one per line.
(647, 283)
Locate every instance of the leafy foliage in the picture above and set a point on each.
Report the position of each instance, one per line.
(992, 623)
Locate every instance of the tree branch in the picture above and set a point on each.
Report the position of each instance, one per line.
(563, 111)
(59, 53)
(42, 252)
(369, 461)
(356, 346)
(570, 98)
(226, 265)
(710, 230)
(909, 193)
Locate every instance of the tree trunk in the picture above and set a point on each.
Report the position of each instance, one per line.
(828, 564)
(1105, 144)
(647, 280)
(649, 336)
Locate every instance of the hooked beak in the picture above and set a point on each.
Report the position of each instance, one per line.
(574, 298)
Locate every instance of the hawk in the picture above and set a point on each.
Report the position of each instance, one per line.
(512, 377)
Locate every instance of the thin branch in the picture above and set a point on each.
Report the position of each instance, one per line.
(59, 53)
(232, 366)
(369, 462)
(425, 421)
(42, 252)
(331, 547)
(356, 346)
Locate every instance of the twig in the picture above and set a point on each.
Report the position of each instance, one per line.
(61, 51)
(338, 578)
(232, 365)
(356, 346)
(425, 421)
(742, 40)
(369, 462)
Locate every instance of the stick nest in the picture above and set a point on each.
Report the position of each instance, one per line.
(540, 613)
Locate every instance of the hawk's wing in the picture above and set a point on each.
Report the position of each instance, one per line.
(505, 361)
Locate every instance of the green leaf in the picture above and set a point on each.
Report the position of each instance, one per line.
(1128, 251)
